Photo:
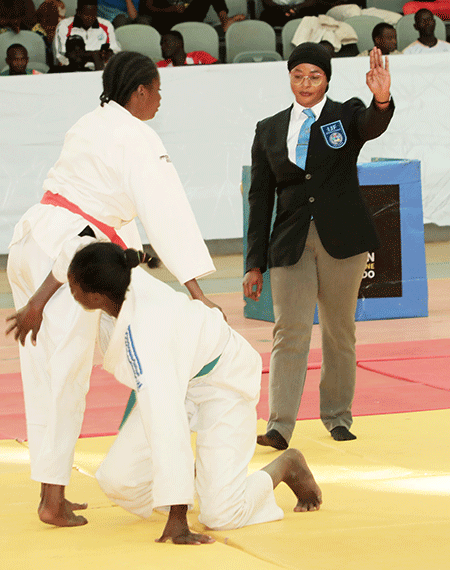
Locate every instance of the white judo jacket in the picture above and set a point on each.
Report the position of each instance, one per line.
(115, 167)
(161, 341)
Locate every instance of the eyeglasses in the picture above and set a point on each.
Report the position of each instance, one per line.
(315, 79)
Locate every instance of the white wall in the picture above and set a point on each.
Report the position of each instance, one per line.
(207, 121)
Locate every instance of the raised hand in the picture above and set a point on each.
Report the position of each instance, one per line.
(378, 78)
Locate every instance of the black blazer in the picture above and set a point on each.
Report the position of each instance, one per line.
(327, 189)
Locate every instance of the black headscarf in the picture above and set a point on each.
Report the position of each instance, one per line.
(312, 53)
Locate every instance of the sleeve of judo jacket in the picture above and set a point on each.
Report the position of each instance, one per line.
(161, 393)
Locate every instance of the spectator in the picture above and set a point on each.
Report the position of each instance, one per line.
(172, 48)
(384, 37)
(425, 24)
(122, 12)
(17, 60)
(166, 13)
(80, 59)
(95, 32)
(16, 15)
(48, 16)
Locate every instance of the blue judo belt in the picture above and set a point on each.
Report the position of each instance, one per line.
(132, 399)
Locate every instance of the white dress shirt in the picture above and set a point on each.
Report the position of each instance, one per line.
(295, 124)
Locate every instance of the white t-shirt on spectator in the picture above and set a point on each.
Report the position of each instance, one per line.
(418, 47)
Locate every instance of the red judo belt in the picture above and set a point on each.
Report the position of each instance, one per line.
(58, 200)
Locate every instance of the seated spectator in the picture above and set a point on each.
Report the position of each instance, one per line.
(81, 60)
(16, 15)
(122, 12)
(425, 24)
(166, 13)
(95, 32)
(384, 37)
(77, 56)
(279, 12)
(48, 16)
(172, 48)
(17, 60)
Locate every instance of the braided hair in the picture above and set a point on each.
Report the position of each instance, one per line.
(123, 74)
(103, 267)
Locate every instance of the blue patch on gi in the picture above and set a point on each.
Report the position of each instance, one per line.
(133, 358)
(334, 134)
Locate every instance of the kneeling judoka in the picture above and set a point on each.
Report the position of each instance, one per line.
(191, 372)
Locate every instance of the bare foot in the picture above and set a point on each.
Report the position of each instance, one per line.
(63, 517)
(300, 479)
(56, 510)
(227, 23)
(76, 506)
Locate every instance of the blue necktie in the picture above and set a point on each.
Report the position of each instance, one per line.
(303, 139)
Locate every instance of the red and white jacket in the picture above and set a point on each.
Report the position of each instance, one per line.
(102, 32)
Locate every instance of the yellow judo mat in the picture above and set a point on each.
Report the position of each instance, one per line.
(386, 506)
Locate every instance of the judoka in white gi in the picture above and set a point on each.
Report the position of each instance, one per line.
(191, 372)
(112, 168)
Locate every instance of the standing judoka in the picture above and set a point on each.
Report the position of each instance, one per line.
(113, 168)
(192, 372)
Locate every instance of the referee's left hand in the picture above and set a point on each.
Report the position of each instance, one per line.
(378, 78)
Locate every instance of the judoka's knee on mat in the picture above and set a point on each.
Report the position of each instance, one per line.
(130, 495)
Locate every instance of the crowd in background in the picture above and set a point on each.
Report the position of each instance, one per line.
(86, 41)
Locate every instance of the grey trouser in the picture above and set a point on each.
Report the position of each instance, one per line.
(333, 284)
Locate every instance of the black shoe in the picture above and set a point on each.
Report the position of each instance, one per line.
(273, 439)
(341, 433)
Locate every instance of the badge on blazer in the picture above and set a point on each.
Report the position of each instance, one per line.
(334, 134)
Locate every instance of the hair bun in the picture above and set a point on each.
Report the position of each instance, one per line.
(132, 258)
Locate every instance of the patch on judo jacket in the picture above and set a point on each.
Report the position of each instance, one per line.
(133, 358)
(334, 134)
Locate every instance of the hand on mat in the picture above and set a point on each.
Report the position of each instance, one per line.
(253, 284)
(27, 319)
(177, 529)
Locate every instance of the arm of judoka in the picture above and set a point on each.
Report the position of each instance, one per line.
(160, 202)
(29, 318)
(196, 293)
(177, 529)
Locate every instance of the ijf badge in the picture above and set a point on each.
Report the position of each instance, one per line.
(334, 134)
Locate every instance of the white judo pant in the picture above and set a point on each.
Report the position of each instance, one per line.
(55, 372)
(225, 423)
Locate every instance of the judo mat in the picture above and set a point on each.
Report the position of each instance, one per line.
(386, 504)
(386, 494)
(391, 377)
